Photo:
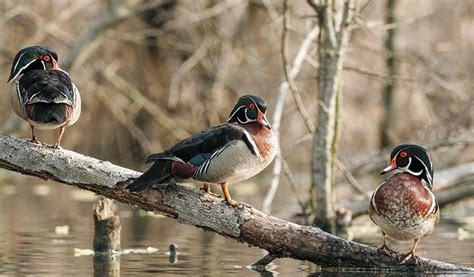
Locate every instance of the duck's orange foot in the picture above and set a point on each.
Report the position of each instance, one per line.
(409, 258)
(35, 141)
(385, 248)
(234, 203)
(209, 192)
(56, 146)
(207, 189)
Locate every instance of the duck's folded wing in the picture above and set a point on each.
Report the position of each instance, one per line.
(198, 148)
(46, 86)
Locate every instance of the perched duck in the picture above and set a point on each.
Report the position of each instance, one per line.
(404, 206)
(228, 153)
(44, 96)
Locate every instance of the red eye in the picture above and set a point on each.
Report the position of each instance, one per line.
(403, 154)
(252, 106)
(46, 58)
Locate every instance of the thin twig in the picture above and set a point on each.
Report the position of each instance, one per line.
(135, 95)
(262, 263)
(121, 116)
(298, 61)
(289, 79)
(384, 77)
(292, 181)
(185, 67)
(352, 180)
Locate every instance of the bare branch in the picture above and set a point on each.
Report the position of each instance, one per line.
(289, 79)
(352, 180)
(120, 11)
(297, 63)
(185, 67)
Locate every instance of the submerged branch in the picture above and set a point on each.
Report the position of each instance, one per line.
(194, 207)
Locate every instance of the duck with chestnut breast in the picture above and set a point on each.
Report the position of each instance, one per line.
(45, 96)
(404, 206)
(228, 153)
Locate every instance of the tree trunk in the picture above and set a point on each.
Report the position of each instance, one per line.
(195, 207)
(388, 97)
(334, 19)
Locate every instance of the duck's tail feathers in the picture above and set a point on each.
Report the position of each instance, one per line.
(158, 173)
(47, 113)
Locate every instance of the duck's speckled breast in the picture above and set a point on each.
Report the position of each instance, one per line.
(404, 207)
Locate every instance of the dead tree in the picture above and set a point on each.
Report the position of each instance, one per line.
(194, 207)
(335, 18)
(390, 86)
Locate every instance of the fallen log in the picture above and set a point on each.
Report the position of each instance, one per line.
(194, 207)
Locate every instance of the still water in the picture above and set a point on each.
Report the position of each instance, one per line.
(41, 225)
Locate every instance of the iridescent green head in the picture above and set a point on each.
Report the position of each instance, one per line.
(413, 159)
(34, 57)
(249, 108)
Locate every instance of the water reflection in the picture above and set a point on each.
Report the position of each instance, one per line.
(29, 243)
(106, 266)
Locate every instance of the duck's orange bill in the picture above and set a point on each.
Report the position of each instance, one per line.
(262, 120)
(391, 167)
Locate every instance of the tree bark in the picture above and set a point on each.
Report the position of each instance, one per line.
(194, 207)
(334, 20)
(107, 228)
(391, 62)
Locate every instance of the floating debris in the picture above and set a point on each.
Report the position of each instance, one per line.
(41, 190)
(88, 252)
(83, 252)
(463, 234)
(82, 195)
(61, 230)
(148, 250)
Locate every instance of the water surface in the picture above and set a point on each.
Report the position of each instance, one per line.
(29, 244)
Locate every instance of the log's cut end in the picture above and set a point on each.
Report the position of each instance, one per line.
(107, 227)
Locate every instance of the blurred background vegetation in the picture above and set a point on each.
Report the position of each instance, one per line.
(152, 72)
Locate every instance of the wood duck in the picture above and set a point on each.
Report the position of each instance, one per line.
(404, 206)
(228, 153)
(44, 96)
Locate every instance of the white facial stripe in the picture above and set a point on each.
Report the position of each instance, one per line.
(16, 64)
(428, 174)
(407, 169)
(232, 115)
(21, 69)
(246, 117)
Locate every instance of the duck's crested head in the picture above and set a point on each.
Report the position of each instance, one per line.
(248, 109)
(33, 57)
(413, 159)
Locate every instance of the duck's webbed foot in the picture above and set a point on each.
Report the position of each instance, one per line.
(383, 246)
